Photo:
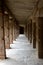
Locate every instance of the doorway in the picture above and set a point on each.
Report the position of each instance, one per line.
(21, 30)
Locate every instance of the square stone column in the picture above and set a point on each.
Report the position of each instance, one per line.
(30, 30)
(6, 30)
(11, 30)
(15, 30)
(25, 30)
(34, 34)
(2, 42)
(40, 37)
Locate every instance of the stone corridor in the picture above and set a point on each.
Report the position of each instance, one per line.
(21, 52)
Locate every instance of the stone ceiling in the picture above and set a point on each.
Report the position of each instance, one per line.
(21, 8)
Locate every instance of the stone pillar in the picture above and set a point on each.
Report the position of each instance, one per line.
(11, 30)
(16, 31)
(34, 34)
(30, 31)
(27, 30)
(6, 30)
(2, 43)
(40, 37)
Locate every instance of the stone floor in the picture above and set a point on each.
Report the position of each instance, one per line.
(21, 53)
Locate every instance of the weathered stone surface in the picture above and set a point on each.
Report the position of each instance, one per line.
(30, 31)
(6, 31)
(34, 34)
(2, 43)
(11, 31)
(40, 37)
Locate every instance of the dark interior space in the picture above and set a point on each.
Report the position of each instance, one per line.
(21, 30)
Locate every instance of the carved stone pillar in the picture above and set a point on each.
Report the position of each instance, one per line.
(2, 42)
(6, 30)
(40, 37)
(11, 30)
(30, 31)
(34, 34)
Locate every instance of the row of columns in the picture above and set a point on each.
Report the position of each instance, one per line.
(35, 34)
(9, 30)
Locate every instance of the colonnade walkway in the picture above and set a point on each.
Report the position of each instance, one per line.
(21, 53)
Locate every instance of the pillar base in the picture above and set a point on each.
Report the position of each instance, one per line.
(7, 46)
(34, 44)
(40, 55)
(2, 54)
(2, 57)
